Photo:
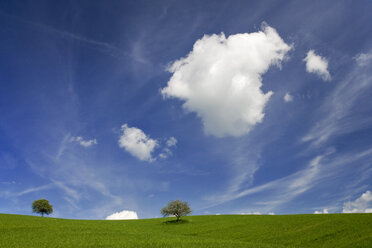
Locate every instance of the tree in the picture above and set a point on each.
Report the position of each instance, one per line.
(177, 208)
(42, 207)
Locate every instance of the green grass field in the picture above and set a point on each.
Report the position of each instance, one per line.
(330, 230)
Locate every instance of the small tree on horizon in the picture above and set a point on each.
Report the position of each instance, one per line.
(177, 208)
(42, 207)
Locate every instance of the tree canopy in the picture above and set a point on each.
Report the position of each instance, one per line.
(42, 207)
(176, 208)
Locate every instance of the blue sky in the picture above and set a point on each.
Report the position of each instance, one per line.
(233, 106)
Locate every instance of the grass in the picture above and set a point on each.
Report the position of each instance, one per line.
(330, 230)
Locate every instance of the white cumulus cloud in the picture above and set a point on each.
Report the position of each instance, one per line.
(318, 65)
(82, 142)
(324, 211)
(363, 59)
(123, 215)
(361, 205)
(220, 79)
(288, 97)
(137, 143)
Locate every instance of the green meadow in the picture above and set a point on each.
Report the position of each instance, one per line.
(329, 230)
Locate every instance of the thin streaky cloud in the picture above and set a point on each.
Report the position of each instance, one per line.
(33, 189)
(284, 190)
(69, 191)
(99, 45)
(336, 109)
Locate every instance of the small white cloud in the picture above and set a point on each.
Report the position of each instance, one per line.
(361, 205)
(363, 59)
(288, 97)
(271, 213)
(123, 215)
(221, 79)
(82, 142)
(318, 65)
(167, 152)
(172, 141)
(252, 213)
(137, 143)
(163, 155)
(140, 145)
(325, 211)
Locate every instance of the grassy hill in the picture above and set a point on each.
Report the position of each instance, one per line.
(331, 230)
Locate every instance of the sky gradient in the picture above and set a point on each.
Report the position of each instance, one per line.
(113, 108)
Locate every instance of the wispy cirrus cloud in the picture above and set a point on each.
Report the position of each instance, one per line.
(28, 190)
(336, 112)
(34, 189)
(289, 187)
(68, 190)
(102, 46)
(284, 190)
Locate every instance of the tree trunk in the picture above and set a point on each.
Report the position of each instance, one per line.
(42, 214)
